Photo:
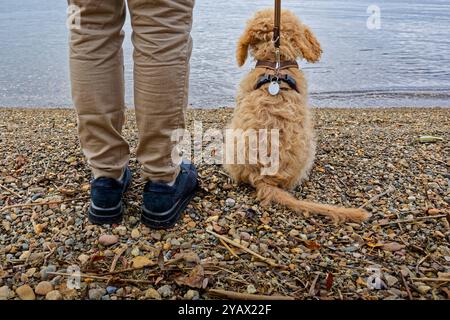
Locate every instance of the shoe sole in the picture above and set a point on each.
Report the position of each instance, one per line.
(106, 218)
(177, 211)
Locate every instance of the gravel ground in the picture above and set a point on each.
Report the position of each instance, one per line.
(226, 244)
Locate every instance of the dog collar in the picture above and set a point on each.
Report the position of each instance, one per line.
(272, 65)
(269, 78)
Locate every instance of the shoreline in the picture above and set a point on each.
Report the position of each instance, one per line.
(22, 108)
(360, 156)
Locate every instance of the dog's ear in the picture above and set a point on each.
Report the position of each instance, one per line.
(307, 43)
(242, 48)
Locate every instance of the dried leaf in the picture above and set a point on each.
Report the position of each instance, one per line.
(195, 278)
(444, 275)
(20, 161)
(312, 245)
(141, 262)
(97, 257)
(265, 220)
(329, 281)
(67, 192)
(161, 260)
(190, 257)
(393, 246)
(361, 282)
(447, 292)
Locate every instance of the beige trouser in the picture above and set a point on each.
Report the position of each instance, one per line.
(162, 49)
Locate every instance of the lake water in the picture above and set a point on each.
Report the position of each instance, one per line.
(404, 63)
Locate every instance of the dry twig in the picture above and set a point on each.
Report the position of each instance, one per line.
(244, 296)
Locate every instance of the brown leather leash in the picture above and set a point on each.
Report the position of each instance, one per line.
(277, 25)
(276, 79)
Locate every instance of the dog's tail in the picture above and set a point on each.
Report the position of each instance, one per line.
(268, 193)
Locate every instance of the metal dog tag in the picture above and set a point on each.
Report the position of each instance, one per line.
(274, 88)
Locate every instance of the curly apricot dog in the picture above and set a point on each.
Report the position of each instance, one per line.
(287, 112)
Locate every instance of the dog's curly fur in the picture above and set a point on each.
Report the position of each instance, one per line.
(288, 112)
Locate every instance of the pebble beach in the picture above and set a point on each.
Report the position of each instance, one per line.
(226, 245)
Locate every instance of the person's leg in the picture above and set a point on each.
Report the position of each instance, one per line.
(97, 78)
(163, 46)
(96, 70)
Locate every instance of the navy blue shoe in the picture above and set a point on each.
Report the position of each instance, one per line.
(163, 204)
(106, 199)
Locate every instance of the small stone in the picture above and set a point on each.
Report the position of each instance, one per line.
(424, 289)
(5, 293)
(191, 224)
(25, 293)
(135, 251)
(433, 211)
(53, 295)
(25, 255)
(121, 230)
(111, 290)
(398, 293)
(392, 246)
(191, 294)
(263, 248)
(152, 294)
(83, 258)
(109, 253)
(156, 235)
(404, 163)
(120, 292)
(245, 236)
(45, 272)
(30, 272)
(165, 291)
(6, 225)
(390, 280)
(230, 202)
(251, 289)
(135, 234)
(294, 233)
(96, 294)
(69, 242)
(43, 288)
(411, 199)
(108, 240)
